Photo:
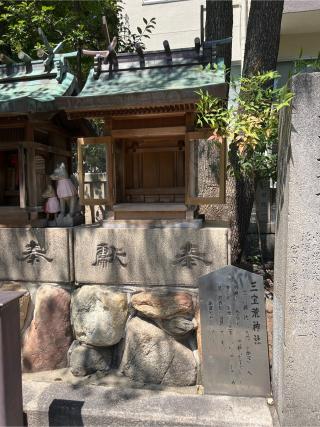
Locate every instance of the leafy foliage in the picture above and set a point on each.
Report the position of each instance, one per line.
(74, 22)
(304, 65)
(251, 125)
(129, 39)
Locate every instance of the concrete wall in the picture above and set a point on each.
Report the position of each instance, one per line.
(296, 380)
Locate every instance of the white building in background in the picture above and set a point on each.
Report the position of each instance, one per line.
(178, 21)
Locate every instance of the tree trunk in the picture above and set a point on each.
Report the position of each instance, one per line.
(219, 22)
(261, 53)
(263, 36)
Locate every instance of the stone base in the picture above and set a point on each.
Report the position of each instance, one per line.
(67, 221)
(62, 404)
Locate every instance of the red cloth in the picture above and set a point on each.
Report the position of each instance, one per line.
(52, 205)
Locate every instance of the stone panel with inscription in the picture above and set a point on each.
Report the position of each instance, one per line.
(36, 255)
(148, 256)
(233, 333)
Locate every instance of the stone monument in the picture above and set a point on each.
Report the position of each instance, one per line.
(296, 344)
(233, 333)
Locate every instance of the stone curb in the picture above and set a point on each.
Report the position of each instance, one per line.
(63, 404)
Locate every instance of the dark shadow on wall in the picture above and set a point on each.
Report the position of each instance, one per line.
(65, 413)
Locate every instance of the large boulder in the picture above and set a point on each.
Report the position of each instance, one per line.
(24, 300)
(99, 315)
(85, 360)
(163, 306)
(152, 356)
(49, 336)
(177, 326)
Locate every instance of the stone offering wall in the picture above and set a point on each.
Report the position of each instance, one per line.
(102, 299)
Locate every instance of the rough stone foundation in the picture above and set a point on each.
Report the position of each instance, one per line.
(147, 336)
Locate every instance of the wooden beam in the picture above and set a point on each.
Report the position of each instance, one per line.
(137, 110)
(156, 149)
(9, 145)
(87, 52)
(6, 59)
(94, 140)
(47, 148)
(106, 29)
(156, 191)
(147, 115)
(149, 132)
(38, 125)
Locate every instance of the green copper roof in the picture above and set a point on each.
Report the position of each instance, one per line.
(152, 79)
(33, 91)
(164, 85)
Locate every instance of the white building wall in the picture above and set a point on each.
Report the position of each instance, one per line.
(179, 22)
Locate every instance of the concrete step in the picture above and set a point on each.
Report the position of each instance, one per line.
(62, 404)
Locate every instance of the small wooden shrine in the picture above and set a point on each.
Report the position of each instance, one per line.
(156, 165)
(34, 136)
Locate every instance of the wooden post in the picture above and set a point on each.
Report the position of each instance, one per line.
(190, 121)
(31, 170)
(22, 177)
(107, 125)
(10, 364)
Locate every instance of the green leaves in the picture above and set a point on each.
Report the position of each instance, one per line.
(128, 39)
(251, 125)
(72, 21)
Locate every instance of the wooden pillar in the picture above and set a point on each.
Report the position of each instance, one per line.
(22, 177)
(111, 164)
(31, 167)
(190, 121)
(107, 126)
